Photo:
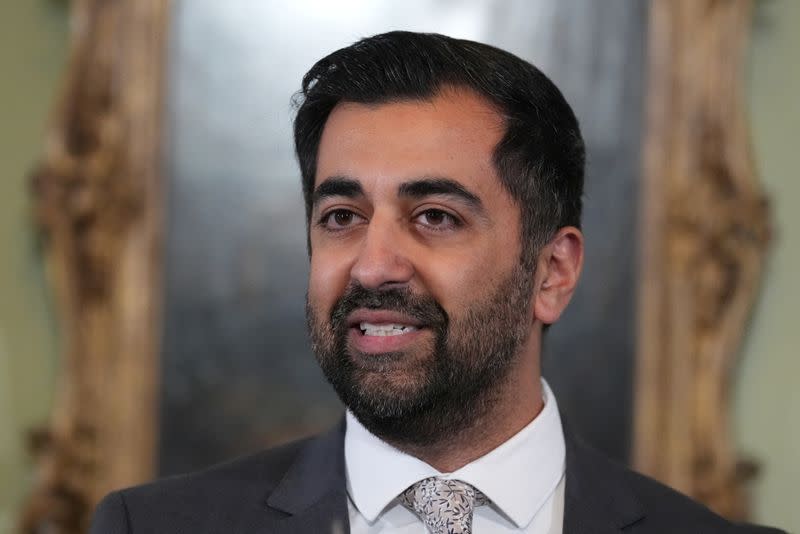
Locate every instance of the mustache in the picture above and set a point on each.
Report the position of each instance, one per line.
(424, 308)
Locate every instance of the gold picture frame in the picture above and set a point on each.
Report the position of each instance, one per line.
(706, 229)
(98, 197)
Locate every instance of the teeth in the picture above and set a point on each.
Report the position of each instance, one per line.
(369, 329)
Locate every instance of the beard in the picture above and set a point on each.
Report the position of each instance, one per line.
(425, 395)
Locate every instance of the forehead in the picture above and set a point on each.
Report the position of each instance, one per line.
(452, 135)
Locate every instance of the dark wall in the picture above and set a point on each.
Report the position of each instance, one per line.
(597, 58)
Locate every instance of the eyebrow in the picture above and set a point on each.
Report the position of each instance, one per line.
(425, 187)
(337, 186)
(342, 186)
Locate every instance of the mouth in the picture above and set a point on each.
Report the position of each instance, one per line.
(380, 331)
(383, 330)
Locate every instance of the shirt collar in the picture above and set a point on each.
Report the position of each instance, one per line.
(518, 476)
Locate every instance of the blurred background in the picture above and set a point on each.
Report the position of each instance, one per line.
(236, 373)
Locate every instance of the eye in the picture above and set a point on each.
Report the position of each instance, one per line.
(438, 220)
(339, 219)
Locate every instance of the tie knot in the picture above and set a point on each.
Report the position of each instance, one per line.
(445, 506)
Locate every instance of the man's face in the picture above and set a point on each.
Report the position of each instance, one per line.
(417, 303)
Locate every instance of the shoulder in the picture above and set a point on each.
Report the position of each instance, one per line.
(257, 473)
(666, 506)
(165, 504)
(648, 505)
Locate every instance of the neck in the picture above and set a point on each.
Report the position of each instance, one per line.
(510, 409)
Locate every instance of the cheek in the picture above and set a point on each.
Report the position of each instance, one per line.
(459, 282)
(472, 277)
(327, 281)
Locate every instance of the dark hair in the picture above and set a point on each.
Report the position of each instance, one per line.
(540, 159)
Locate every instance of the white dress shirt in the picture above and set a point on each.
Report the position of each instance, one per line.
(523, 478)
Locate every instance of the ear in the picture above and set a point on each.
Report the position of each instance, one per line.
(557, 271)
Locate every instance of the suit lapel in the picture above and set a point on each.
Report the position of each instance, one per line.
(327, 515)
(312, 497)
(596, 499)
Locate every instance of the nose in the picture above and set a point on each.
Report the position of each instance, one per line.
(383, 258)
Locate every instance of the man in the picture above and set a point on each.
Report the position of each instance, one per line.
(443, 182)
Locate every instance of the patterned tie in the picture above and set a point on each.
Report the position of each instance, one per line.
(445, 506)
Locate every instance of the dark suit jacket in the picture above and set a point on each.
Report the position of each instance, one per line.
(300, 488)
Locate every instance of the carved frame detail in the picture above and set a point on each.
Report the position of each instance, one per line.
(705, 235)
(98, 198)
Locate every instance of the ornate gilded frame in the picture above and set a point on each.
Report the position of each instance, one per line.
(99, 198)
(705, 231)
